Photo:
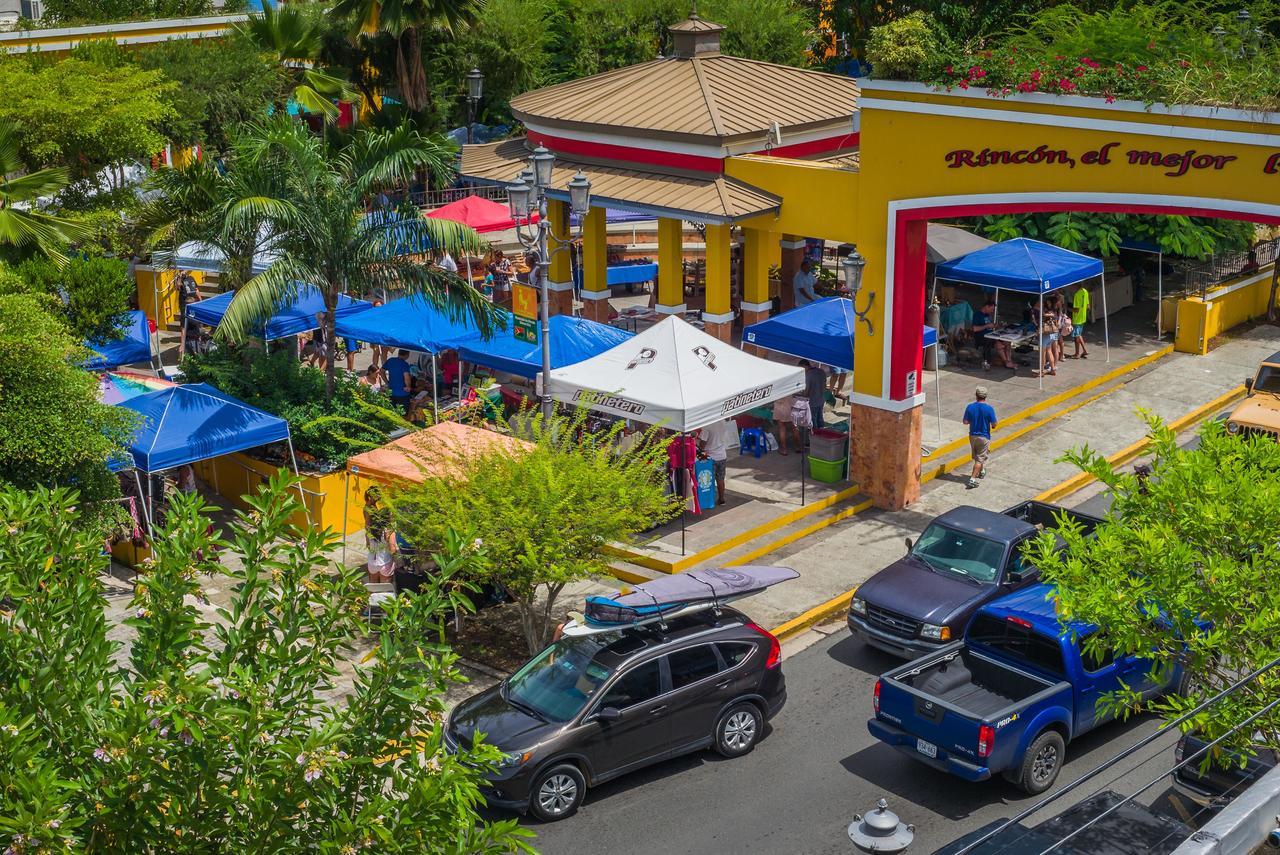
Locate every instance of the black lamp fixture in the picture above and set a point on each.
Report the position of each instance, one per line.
(475, 91)
(853, 263)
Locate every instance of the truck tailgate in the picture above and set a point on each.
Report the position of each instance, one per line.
(937, 730)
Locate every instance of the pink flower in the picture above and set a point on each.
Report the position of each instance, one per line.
(1140, 68)
(1086, 61)
(1111, 99)
(102, 755)
(1035, 77)
(975, 72)
(964, 84)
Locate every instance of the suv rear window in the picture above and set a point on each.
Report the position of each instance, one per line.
(735, 652)
(691, 665)
(1018, 642)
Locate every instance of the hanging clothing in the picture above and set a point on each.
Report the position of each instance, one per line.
(682, 455)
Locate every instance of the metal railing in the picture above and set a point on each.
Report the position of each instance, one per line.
(436, 198)
(1201, 277)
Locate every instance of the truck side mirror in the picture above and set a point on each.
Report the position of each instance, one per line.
(911, 544)
(1248, 385)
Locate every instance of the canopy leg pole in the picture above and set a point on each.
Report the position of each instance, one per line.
(1106, 326)
(1160, 295)
(684, 502)
(803, 455)
(1040, 340)
(301, 493)
(937, 385)
(346, 496)
(146, 512)
(435, 392)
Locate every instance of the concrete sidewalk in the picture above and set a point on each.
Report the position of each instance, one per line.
(838, 558)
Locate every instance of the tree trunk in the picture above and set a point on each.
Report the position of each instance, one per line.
(331, 356)
(412, 76)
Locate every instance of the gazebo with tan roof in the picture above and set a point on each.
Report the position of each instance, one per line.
(653, 138)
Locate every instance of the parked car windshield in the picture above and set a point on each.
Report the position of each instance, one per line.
(559, 681)
(1268, 380)
(959, 553)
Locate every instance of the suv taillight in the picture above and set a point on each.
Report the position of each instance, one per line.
(986, 740)
(775, 649)
(875, 698)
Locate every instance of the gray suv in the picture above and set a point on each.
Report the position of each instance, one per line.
(590, 708)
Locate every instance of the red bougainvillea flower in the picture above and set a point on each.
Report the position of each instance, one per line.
(1078, 71)
(1035, 77)
(975, 72)
(964, 84)
(1140, 68)
(1084, 60)
(1111, 99)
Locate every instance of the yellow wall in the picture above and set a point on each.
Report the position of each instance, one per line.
(1200, 321)
(158, 293)
(234, 475)
(817, 197)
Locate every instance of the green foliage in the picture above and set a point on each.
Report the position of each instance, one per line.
(90, 293)
(53, 430)
(1194, 545)
(543, 517)
(900, 48)
(1101, 234)
(1151, 52)
(25, 230)
(83, 114)
(105, 11)
(223, 737)
(769, 30)
(355, 420)
(221, 83)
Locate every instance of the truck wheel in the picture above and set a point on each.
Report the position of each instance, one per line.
(1042, 762)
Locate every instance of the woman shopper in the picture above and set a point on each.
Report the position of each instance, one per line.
(380, 540)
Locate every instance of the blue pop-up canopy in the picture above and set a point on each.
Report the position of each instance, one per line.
(572, 341)
(409, 322)
(299, 316)
(822, 331)
(194, 422)
(134, 347)
(1021, 264)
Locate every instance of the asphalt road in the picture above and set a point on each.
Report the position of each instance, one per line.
(817, 767)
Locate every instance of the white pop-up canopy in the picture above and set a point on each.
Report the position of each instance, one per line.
(675, 375)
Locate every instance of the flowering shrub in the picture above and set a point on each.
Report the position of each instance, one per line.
(222, 737)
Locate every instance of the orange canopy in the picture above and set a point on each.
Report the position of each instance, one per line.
(440, 451)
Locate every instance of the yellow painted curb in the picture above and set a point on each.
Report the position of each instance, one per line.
(836, 605)
(813, 617)
(773, 546)
(1129, 452)
(684, 563)
(1054, 400)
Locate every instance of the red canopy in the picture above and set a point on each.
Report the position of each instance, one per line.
(483, 215)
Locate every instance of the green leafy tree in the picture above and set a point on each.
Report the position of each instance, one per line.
(545, 516)
(90, 293)
(221, 83)
(777, 31)
(324, 237)
(408, 21)
(1183, 570)
(103, 11)
(223, 737)
(53, 430)
(24, 228)
(901, 47)
(292, 37)
(81, 113)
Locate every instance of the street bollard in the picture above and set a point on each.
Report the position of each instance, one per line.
(880, 831)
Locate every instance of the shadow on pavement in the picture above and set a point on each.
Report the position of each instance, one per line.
(923, 786)
(853, 653)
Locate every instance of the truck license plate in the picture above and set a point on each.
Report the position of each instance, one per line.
(928, 749)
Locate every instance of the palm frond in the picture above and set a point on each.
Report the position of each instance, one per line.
(259, 298)
(33, 185)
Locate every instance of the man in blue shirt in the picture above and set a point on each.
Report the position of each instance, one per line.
(981, 418)
(397, 370)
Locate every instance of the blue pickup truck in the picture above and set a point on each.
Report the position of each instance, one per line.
(1008, 697)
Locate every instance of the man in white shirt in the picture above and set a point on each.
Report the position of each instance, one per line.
(447, 263)
(715, 444)
(802, 284)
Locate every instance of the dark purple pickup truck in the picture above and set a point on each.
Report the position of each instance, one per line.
(964, 559)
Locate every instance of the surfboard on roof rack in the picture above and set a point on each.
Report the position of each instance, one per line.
(673, 596)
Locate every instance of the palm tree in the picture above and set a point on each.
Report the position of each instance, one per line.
(191, 203)
(22, 225)
(323, 235)
(405, 20)
(294, 39)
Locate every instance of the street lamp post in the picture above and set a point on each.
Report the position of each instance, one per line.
(853, 264)
(529, 194)
(475, 91)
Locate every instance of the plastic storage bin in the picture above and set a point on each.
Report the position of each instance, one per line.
(826, 444)
(826, 471)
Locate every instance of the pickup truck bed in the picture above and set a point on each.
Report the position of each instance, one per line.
(973, 684)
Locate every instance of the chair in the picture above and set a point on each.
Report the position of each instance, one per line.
(753, 441)
(379, 593)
